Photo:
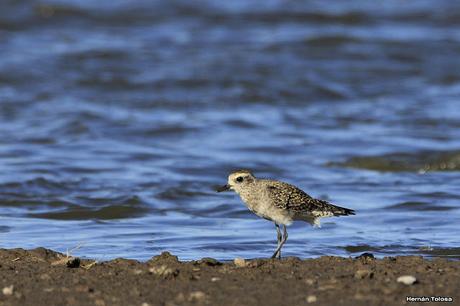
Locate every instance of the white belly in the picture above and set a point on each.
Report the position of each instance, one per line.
(272, 214)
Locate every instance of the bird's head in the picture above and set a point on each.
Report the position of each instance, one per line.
(238, 180)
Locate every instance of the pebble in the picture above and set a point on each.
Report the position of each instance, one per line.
(209, 261)
(365, 256)
(407, 279)
(239, 262)
(8, 290)
(311, 299)
(164, 257)
(360, 274)
(326, 287)
(215, 279)
(255, 263)
(163, 270)
(73, 262)
(99, 302)
(309, 281)
(197, 296)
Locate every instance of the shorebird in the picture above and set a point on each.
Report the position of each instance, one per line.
(280, 202)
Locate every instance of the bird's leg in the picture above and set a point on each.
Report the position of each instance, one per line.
(278, 232)
(281, 243)
(285, 236)
(279, 238)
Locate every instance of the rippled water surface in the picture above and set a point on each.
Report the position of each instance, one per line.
(118, 118)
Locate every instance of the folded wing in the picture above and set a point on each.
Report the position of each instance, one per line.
(289, 197)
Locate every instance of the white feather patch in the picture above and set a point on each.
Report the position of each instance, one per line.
(317, 222)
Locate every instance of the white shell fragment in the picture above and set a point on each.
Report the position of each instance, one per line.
(407, 279)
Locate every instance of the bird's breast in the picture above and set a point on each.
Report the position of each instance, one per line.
(264, 208)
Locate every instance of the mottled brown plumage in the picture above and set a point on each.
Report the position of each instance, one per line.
(289, 197)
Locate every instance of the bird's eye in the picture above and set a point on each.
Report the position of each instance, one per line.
(239, 179)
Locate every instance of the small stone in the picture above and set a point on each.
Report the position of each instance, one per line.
(164, 257)
(361, 274)
(145, 304)
(390, 258)
(407, 279)
(8, 290)
(311, 299)
(326, 287)
(73, 263)
(309, 281)
(210, 261)
(163, 271)
(255, 263)
(365, 256)
(99, 302)
(239, 262)
(197, 296)
(215, 279)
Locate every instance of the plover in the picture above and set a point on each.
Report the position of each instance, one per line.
(280, 202)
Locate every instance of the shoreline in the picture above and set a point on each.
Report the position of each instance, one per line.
(45, 277)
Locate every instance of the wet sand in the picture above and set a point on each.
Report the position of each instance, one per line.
(45, 277)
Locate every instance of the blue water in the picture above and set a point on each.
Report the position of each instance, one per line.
(118, 119)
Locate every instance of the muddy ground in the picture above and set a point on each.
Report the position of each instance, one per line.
(45, 277)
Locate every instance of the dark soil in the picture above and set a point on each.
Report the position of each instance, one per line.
(44, 277)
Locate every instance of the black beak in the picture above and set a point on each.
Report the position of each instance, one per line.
(223, 188)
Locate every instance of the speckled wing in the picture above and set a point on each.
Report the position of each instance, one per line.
(289, 197)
